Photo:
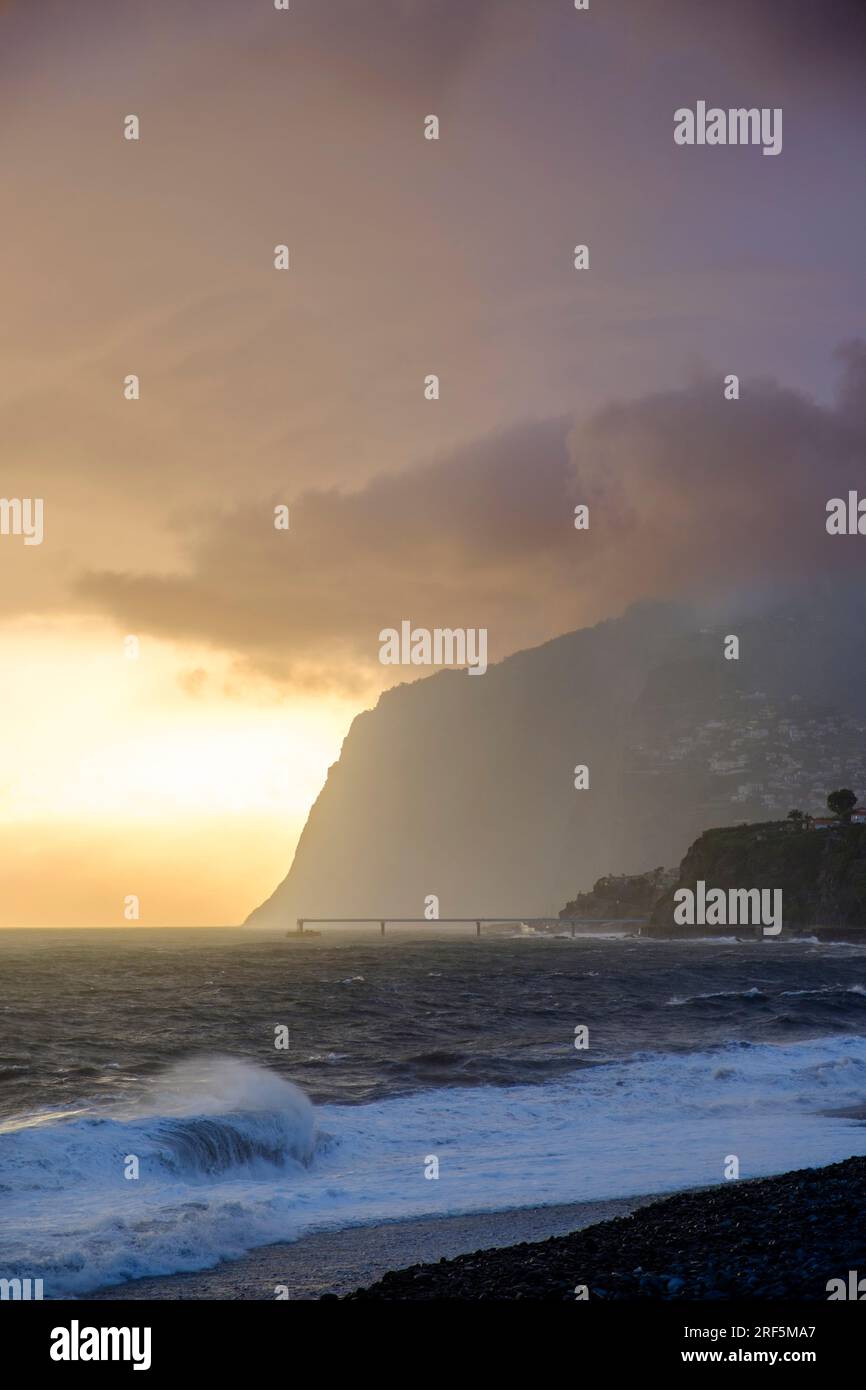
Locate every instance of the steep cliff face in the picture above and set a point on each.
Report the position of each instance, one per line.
(821, 873)
(463, 786)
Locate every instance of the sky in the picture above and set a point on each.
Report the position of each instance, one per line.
(179, 768)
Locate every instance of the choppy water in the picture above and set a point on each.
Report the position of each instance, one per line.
(160, 1046)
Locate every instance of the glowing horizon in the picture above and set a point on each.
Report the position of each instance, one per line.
(185, 776)
(152, 762)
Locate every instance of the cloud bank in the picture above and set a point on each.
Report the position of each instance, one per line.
(690, 495)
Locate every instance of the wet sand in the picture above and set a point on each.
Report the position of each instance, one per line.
(338, 1262)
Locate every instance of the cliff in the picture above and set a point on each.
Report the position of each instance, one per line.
(463, 786)
(822, 873)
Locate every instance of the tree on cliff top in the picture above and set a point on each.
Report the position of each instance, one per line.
(842, 803)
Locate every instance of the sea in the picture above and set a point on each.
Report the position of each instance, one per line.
(171, 1099)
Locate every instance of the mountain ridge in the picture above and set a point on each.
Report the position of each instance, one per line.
(464, 788)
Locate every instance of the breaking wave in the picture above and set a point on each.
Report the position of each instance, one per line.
(231, 1156)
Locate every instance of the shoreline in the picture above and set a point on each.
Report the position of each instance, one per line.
(772, 1238)
(779, 1238)
(338, 1262)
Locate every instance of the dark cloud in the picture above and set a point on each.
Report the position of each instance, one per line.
(821, 35)
(808, 42)
(409, 259)
(690, 495)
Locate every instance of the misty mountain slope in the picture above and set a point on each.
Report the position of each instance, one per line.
(462, 786)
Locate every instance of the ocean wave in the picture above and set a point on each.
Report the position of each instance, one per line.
(203, 1117)
(753, 993)
(823, 989)
(232, 1156)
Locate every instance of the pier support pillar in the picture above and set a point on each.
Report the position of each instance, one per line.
(382, 928)
(477, 928)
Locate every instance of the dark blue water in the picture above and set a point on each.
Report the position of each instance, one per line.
(92, 1015)
(161, 1045)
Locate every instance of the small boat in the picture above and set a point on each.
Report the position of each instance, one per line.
(297, 935)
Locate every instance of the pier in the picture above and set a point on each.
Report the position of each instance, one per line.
(477, 922)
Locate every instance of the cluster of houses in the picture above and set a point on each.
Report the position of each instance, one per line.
(857, 817)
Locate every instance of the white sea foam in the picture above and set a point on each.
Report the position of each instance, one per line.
(231, 1156)
(753, 993)
(823, 989)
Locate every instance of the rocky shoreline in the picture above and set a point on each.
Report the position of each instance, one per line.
(771, 1238)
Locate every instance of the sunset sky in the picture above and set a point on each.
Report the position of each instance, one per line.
(184, 776)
